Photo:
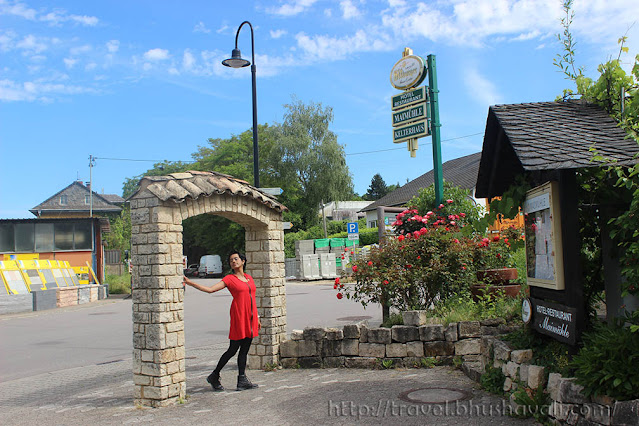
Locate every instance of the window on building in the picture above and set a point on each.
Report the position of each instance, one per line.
(7, 242)
(64, 200)
(372, 224)
(82, 236)
(63, 236)
(87, 199)
(25, 236)
(44, 237)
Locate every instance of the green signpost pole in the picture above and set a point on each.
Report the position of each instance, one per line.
(435, 125)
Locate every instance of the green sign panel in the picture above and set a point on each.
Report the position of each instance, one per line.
(411, 131)
(410, 97)
(406, 115)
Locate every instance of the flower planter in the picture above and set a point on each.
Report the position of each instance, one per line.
(495, 283)
(497, 276)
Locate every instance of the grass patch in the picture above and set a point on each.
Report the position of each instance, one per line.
(462, 307)
(119, 284)
(393, 319)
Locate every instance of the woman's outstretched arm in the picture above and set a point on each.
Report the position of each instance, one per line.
(212, 289)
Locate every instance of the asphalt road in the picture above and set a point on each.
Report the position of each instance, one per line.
(101, 332)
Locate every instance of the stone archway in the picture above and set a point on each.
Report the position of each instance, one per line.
(158, 208)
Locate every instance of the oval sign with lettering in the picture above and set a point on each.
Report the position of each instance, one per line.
(408, 72)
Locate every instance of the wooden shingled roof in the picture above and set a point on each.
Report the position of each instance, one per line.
(193, 184)
(548, 136)
(460, 172)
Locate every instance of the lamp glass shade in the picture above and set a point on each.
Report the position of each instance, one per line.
(236, 61)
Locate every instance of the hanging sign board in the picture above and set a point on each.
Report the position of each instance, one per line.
(554, 320)
(414, 130)
(414, 113)
(408, 72)
(410, 97)
(544, 250)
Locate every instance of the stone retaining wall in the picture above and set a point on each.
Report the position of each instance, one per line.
(358, 346)
(568, 403)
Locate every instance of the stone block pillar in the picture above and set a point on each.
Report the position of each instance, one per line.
(265, 263)
(158, 308)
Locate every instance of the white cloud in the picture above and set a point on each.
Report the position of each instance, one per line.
(39, 90)
(90, 66)
(79, 50)
(188, 60)
(222, 29)
(201, 28)
(292, 7)
(7, 41)
(31, 43)
(113, 46)
(17, 9)
(156, 54)
(60, 16)
(278, 33)
(70, 62)
(328, 13)
(349, 10)
(480, 88)
(332, 48)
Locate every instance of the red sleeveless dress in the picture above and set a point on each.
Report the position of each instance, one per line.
(243, 308)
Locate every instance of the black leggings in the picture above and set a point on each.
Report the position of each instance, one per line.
(243, 345)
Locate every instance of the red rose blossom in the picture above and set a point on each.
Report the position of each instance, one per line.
(370, 263)
(339, 295)
(355, 268)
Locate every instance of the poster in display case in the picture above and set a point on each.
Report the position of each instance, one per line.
(544, 252)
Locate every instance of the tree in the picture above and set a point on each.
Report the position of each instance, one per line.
(308, 162)
(377, 188)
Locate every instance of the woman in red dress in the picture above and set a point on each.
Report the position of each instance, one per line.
(245, 323)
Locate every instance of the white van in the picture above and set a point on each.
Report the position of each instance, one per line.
(210, 266)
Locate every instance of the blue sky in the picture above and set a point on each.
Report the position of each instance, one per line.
(142, 79)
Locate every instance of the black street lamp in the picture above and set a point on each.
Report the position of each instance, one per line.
(236, 61)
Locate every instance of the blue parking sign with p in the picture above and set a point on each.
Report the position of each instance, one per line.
(352, 227)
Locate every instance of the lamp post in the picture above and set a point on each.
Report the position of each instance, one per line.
(236, 61)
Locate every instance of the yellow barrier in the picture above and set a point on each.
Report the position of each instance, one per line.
(93, 273)
(21, 256)
(44, 268)
(71, 273)
(12, 278)
(83, 274)
(32, 275)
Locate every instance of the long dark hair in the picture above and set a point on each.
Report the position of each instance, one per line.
(242, 257)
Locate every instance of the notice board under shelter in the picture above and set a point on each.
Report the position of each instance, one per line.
(546, 142)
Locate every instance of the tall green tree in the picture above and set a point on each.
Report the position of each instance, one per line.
(308, 162)
(377, 188)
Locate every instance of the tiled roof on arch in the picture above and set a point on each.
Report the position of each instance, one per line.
(194, 184)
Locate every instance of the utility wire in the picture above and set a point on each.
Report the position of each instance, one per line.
(404, 148)
(133, 159)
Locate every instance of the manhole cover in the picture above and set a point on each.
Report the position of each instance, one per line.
(434, 395)
(354, 318)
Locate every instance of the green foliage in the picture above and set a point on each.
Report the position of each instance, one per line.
(307, 161)
(618, 186)
(461, 307)
(119, 284)
(393, 319)
(493, 380)
(607, 363)
(387, 363)
(456, 201)
(431, 260)
(120, 236)
(270, 366)
(377, 188)
(547, 352)
(210, 234)
(427, 362)
(532, 403)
